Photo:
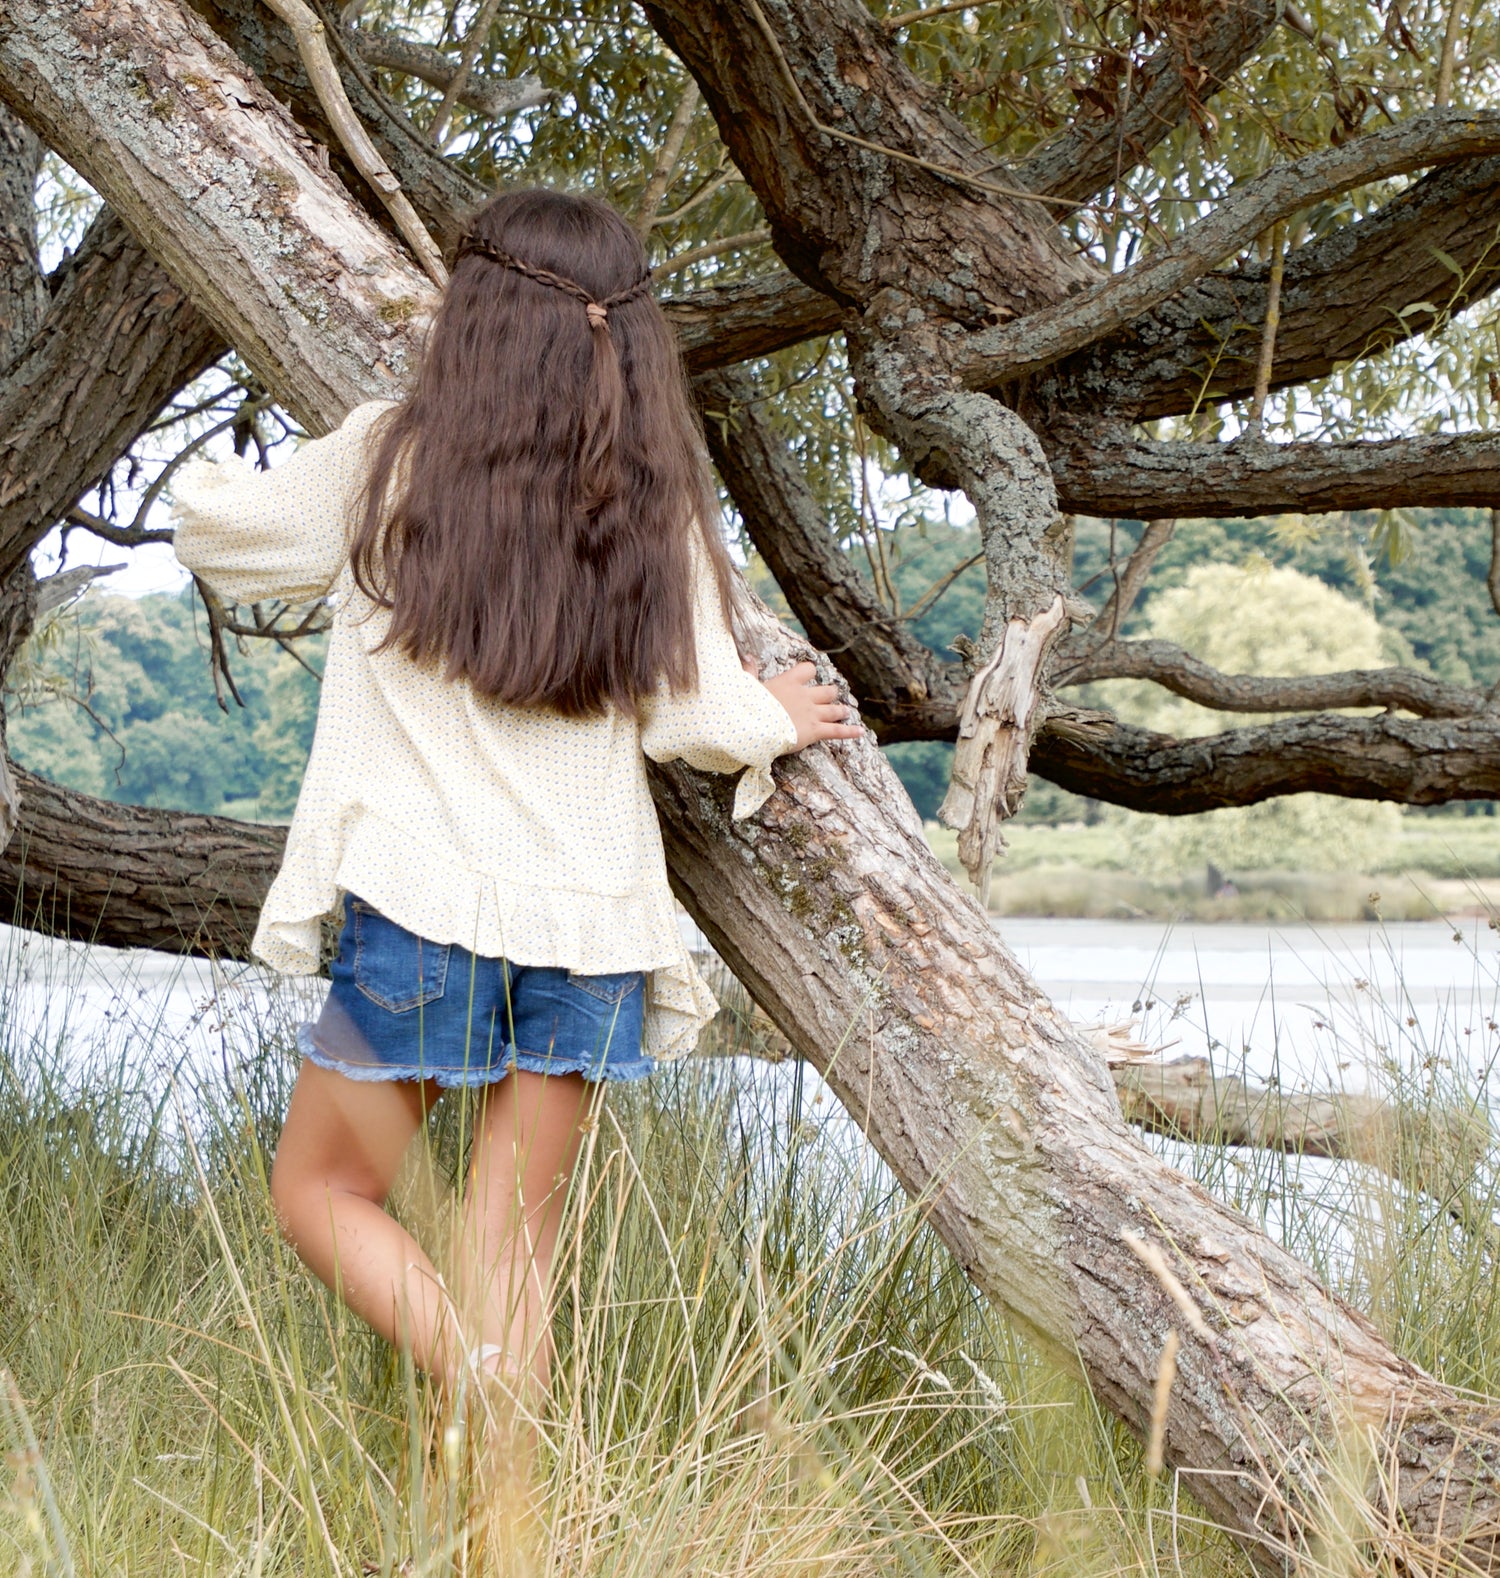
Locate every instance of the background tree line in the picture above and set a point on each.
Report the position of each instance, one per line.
(112, 695)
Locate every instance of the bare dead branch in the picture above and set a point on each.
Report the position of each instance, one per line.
(53, 591)
(668, 156)
(1177, 670)
(307, 28)
(1128, 586)
(1267, 355)
(1036, 341)
(1446, 59)
(473, 42)
(711, 249)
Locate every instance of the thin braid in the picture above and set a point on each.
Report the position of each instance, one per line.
(544, 276)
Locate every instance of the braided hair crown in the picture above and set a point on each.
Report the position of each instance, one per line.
(596, 309)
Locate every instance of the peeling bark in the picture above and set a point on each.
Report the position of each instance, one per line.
(995, 726)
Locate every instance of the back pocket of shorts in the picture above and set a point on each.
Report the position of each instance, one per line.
(608, 988)
(397, 970)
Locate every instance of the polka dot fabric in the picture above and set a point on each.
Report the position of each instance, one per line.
(514, 832)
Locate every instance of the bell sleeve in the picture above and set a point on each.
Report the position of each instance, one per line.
(730, 720)
(279, 533)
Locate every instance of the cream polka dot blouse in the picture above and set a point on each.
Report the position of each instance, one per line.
(514, 832)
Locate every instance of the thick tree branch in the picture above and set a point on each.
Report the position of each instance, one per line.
(1347, 295)
(1013, 350)
(493, 97)
(23, 290)
(1095, 151)
(1411, 761)
(836, 222)
(134, 877)
(1107, 469)
(1177, 670)
(350, 135)
(724, 324)
(894, 674)
(827, 903)
(181, 196)
(117, 343)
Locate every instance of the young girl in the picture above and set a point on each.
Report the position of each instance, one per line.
(531, 597)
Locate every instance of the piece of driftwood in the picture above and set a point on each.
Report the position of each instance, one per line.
(1437, 1151)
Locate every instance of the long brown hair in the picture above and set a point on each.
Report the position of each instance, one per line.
(532, 504)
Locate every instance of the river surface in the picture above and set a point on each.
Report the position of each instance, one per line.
(1305, 1004)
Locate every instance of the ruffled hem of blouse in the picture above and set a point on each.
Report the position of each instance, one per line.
(448, 904)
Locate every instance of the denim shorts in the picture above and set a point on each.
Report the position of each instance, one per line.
(401, 1007)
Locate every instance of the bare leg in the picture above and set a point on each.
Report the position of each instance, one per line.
(525, 1148)
(341, 1147)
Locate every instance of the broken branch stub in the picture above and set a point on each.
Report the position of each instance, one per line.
(994, 741)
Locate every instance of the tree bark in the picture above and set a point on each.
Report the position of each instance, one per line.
(980, 1096)
(1347, 295)
(132, 877)
(119, 340)
(1203, 48)
(1107, 469)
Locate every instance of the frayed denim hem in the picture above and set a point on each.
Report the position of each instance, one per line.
(474, 1078)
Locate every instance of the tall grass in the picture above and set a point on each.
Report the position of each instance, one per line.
(767, 1363)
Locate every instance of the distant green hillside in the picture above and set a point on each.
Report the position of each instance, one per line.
(115, 697)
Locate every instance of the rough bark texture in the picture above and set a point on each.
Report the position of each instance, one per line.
(1177, 670)
(218, 154)
(1107, 469)
(133, 877)
(1204, 46)
(1343, 296)
(865, 221)
(828, 905)
(1413, 761)
(119, 340)
(23, 291)
(992, 1108)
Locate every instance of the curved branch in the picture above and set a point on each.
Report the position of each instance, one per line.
(119, 340)
(1177, 670)
(1012, 350)
(1107, 469)
(1347, 295)
(890, 670)
(1152, 101)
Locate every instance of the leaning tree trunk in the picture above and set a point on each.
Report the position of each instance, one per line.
(828, 904)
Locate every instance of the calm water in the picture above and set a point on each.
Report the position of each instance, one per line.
(1300, 1002)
